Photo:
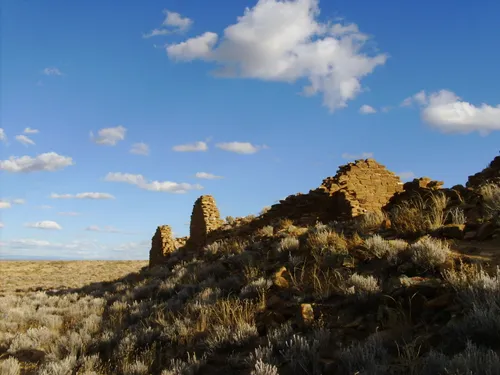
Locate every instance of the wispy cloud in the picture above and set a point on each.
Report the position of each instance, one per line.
(105, 229)
(141, 182)
(191, 147)
(30, 131)
(3, 136)
(5, 204)
(109, 136)
(68, 213)
(367, 109)
(49, 162)
(239, 147)
(45, 224)
(172, 23)
(89, 195)
(207, 176)
(52, 72)
(24, 140)
(140, 149)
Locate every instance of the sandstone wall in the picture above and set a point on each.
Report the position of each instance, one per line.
(204, 219)
(162, 244)
(361, 186)
(490, 174)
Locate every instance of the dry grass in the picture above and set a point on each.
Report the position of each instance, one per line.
(33, 275)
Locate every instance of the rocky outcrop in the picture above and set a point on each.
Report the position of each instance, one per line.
(491, 174)
(204, 220)
(162, 245)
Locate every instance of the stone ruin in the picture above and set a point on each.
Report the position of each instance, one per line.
(205, 219)
(358, 187)
(162, 245)
(491, 174)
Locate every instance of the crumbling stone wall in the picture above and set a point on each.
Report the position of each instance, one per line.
(358, 187)
(491, 174)
(204, 220)
(162, 244)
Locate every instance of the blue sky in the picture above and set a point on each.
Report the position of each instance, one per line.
(111, 109)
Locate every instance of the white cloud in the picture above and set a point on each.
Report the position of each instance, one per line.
(3, 136)
(284, 41)
(45, 224)
(139, 181)
(52, 72)
(207, 176)
(386, 109)
(419, 98)
(239, 147)
(90, 195)
(68, 213)
(2, 225)
(109, 136)
(18, 201)
(24, 140)
(5, 204)
(363, 155)
(49, 161)
(175, 21)
(406, 175)
(191, 147)
(139, 149)
(28, 130)
(367, 109)
(45, 207)
(105, 229)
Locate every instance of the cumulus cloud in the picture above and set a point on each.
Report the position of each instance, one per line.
(239, 147)
(367, 109)
(173, 22)
(363, 155)
(52, 72)
(405, 176)
(5, 204)
(3, 136)
(109, 136)
(449, 113)
(140, 149)
(139, 181)
(28, 130)
(24, 140)
(283, 41)
(191, 147)
(207, 176)
(90, 195)
(45, 224)
(49, 161)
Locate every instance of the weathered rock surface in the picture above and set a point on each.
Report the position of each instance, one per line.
(491, 174)
(162, 244)
(204, 220)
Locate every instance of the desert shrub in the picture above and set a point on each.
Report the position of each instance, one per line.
(262, 368)
(491, 200)
(456, 215)
(190, 366)
(419, 215)
(382, 248)
(302, 355)
(322, 239)
(362, 286)
(264, 210)
(429, 252)
(267, 231)
(10, 366)
(288, 244)
(367, 357)
(370, 221)
(472, 361)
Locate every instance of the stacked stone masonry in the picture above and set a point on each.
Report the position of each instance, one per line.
(490, 174)
(162, 245)
(204, 220)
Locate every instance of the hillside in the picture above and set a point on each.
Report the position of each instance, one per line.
(362, 275)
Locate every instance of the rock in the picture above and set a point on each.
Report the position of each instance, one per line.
(281, 278)
(306, 316)
(404, 281)
(468, 236)
(485, 231)
(455, 231)
(440, 302)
